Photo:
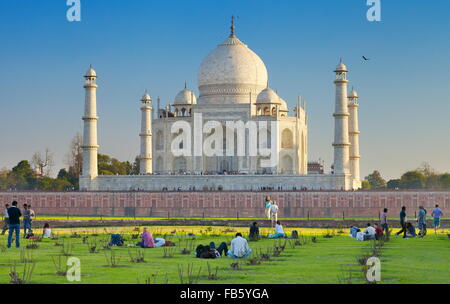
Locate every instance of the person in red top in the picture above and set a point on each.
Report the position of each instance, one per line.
(378, 232)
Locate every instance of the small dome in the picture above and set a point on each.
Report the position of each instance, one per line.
(353, 94)
(185, 97)
(268, 96)
(91, 72)
(146, 98)
(341, 67)
(283, 106)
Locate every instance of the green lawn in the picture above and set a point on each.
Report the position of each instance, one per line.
(402, 261)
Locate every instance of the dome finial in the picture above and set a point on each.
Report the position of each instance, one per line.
(232, 26)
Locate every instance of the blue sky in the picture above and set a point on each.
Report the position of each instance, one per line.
(158, 45)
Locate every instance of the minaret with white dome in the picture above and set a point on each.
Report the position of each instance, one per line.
(90, 118)
(354, 134)
(341, 139)
(145, 159)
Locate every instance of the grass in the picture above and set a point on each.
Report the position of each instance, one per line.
(403, 260)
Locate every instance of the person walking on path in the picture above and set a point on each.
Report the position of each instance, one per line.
(422, 221)
(5, 219)
(403, 221)
(14, 224)
(436, 214)
(274, 212)
(267, 205)
(384, 223)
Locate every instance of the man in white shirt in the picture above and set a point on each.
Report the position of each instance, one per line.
(5, 219)
(239, 248)
(369, 233)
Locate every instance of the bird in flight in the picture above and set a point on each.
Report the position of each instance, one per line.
(365, 58)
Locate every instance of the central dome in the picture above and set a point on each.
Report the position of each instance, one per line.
(230, 73)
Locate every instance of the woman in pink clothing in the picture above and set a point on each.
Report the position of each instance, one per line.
(147, 240)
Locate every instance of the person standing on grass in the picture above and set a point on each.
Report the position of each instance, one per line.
(14, 224)
(254, 232)
(5, 219)
(274, 213)
(437, 214)
(422, 221)
(384, 222)
(26, 219)
(267, 205)
(403, 221)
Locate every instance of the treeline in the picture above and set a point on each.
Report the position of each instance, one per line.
(35, 174)
(422, 178)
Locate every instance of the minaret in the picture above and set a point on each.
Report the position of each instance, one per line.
(353, 129)
(145, 165)
(90, 147)
(341, 141)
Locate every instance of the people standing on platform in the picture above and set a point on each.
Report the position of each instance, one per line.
(267, 205)
(274, 212)
(5, 219)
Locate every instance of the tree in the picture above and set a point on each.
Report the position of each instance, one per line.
(22, 177)
(412, 180)
(74, 158)
(43, 162)
(365, 185)
(444, 181)
(393, 184)
(426, 170)
(376, 181)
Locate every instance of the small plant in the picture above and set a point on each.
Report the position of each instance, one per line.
(25, 277)
(60, 265)
(33, 245)
(85, 239)
(54, 236)
(75, 235)
(168, 252)
(139, 257)
(212, 276)
(314, 239)
(26, 256)
(254, 261)
(92, 245)
(111, 259)
(66, 248)
(188, 246)
(188, 277)
(2, 248)
(264, 257)
(235, 266)
(153, 279)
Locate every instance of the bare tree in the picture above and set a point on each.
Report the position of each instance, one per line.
(74, 158)
(43, 163)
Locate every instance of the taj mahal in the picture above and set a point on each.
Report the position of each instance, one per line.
(233, 92)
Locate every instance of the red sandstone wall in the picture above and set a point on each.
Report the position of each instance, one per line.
(227, 203)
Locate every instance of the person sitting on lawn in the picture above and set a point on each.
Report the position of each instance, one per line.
(210, 252)
(239, 248)
(353, 231)
(46, 232)
(360, 235)
(159, 242)
(410, 230)
(254, 232)
(369, 233)
(147, 240)
(378, 232)
(279, 232)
